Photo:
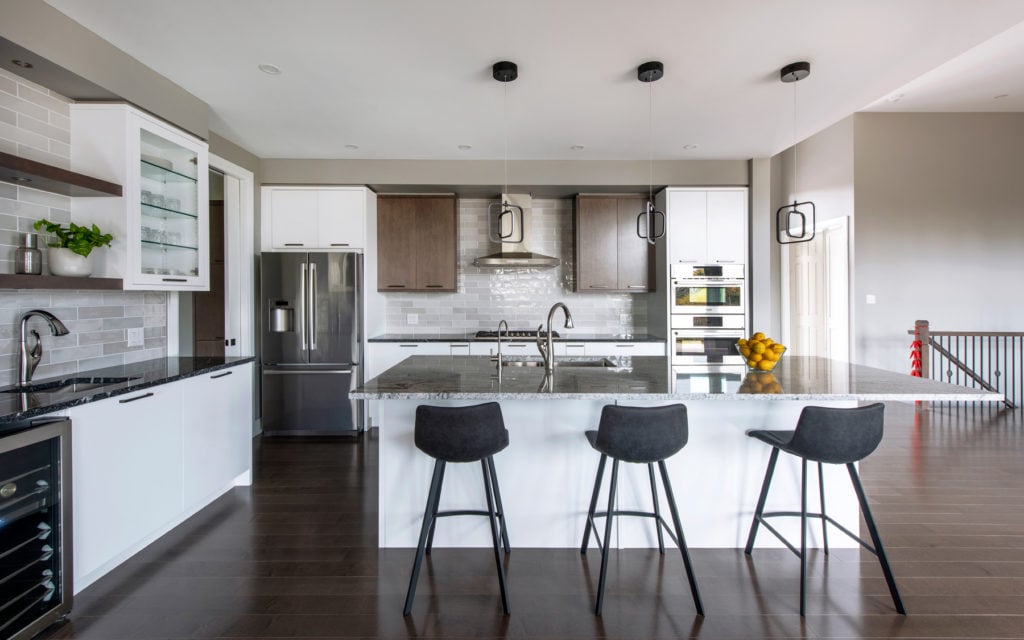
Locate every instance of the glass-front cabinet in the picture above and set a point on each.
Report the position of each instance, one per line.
(161, 229)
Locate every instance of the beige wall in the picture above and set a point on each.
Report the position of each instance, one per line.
(40, 28)
(939, 227)
(490, 173)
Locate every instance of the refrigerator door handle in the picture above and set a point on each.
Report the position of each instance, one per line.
(305, 372)
(302, 306)
(312, 306)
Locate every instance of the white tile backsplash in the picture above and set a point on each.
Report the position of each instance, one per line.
(486, 296)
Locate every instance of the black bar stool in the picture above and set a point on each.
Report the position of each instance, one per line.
(643, 435)
(461, 434)
(833, 436)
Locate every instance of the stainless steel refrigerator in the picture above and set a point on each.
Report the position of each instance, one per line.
(311, 349)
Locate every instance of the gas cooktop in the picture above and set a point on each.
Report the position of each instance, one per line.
(514, 333)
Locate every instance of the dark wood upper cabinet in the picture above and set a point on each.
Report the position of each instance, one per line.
(417, 243)
(609, 254)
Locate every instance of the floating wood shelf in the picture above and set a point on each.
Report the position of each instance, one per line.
(19, 281)
(29, 173)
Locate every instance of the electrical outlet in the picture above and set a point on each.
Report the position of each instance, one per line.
(412, 318)
(136, 337)
(870, 298)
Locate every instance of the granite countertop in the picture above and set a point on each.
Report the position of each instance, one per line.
(650, 378)
(148, 373)
(565, 336)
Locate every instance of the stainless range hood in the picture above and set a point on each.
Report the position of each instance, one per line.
(516, 254)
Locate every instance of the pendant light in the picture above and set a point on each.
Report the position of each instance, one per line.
(795, 222)
(647, 220)
(498, 212)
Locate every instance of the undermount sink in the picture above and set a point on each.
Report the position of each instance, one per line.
(600, 363)
(68, 384)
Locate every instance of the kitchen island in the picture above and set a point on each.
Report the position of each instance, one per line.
(547, 472)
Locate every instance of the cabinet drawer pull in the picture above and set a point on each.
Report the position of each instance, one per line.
(396, 286)
(597, 286)
(339, 244)
(434, 286)
(221, 375)
(126, 400)
(294, 244)
(624, 346)
(725, 261)
(462, 344)
(409, 346)
(636, 286)
(516, 345)
(174, 279)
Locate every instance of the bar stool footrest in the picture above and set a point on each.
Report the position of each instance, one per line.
(796, 514)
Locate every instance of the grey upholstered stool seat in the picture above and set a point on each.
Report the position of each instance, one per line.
(461, 434)
(832, 436)
(642, 435)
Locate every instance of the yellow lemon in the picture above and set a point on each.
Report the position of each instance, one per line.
(758, 347)
(757, 336)
(756, 357)
(745, 351)
(765, 365)
(778, 348)
(741, 341)
(751, 363)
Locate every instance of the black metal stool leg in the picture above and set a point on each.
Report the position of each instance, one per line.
(493, 519)
(428, 521)
(876, 540)
(607, 536)
(657, 509)
(821, 496)
(761, 500)
(497, 502)
(593, 503)
(433, 518)
(674, 510)
(803, 534)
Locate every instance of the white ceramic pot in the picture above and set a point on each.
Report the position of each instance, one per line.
(65, 262)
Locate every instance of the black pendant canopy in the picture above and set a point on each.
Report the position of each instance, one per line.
(505, 71)
(650, 71)
(795, 71)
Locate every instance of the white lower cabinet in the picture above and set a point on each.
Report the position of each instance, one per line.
(217, 423)
(127, 470)
(625, 349)
(143, 462)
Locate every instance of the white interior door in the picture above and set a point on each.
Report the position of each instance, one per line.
(818, 287)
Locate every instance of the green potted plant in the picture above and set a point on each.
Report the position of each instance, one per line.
(70, 253)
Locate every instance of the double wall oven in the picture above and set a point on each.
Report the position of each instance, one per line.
(708, 316)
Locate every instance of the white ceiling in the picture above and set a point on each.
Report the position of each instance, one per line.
(411, 79)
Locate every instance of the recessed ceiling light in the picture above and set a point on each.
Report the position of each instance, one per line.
(269, 69)
(352, 146)
(1001, 96)
(690, 147)
(577, 147)
(896, 97)
(22, 64)
(465, 147)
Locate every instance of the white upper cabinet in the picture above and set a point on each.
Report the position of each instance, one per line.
(707, 226)
(304, 218)
(161, 223)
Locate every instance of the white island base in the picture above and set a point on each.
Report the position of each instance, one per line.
(546, 477)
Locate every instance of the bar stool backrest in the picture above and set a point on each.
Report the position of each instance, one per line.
(838, 436)
(642, 434)
(460, 434)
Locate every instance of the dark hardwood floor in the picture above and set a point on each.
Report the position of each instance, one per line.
(295, 557)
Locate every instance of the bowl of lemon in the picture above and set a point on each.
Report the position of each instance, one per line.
(760, 352)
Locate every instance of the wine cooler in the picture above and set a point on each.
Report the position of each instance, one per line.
(35, 526)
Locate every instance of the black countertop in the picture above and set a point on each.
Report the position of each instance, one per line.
(148, 373)
(564, 336)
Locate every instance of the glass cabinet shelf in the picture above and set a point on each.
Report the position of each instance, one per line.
(163, 213)
(153, 244)
(163, 174)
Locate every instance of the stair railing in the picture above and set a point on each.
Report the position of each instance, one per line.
(990, 360)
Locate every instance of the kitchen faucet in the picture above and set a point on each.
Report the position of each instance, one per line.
(546, 348)
(497, 358)
(28, 359)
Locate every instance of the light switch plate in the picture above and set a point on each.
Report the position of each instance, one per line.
(870, 298)
(136, 337)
